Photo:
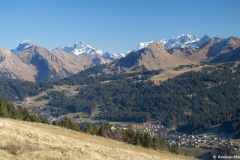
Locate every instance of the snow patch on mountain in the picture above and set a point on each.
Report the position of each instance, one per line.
(142, 45)
(26, 44)
(112, 56)
(163, 41)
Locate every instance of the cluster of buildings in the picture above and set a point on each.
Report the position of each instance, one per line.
(201, 141)
(155, 129)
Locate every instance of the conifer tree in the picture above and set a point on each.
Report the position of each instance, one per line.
(35, 118)
(3, 108)
(138, 140)
(13, 112)
(147, 140)
(89, 129)
(101, 131)
(67, 123)
(24, 112)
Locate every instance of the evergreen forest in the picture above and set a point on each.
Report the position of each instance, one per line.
(192, 101)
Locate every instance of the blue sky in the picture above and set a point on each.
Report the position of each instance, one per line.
(113, 25)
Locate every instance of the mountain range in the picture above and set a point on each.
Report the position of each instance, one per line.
(35, 63)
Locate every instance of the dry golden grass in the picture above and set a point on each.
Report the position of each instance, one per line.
(25, 140)
(170, 73)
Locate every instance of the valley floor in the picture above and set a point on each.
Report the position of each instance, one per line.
(25, 140)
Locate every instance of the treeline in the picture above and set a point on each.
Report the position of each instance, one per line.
(192, 102)
(130, 136)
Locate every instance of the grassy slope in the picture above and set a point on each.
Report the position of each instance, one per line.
(25, 140)
(171, 73)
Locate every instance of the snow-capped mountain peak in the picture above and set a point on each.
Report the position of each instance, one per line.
(82, 48)
(79, 48)
(186, 38)
(26, 44)
(26, 41)
(182, 41)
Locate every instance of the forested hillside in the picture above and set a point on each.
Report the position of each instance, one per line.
(192, 101)
(17, 90)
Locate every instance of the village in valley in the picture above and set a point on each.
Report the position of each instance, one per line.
(173, 137)
(202, 141)
(207, 141)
